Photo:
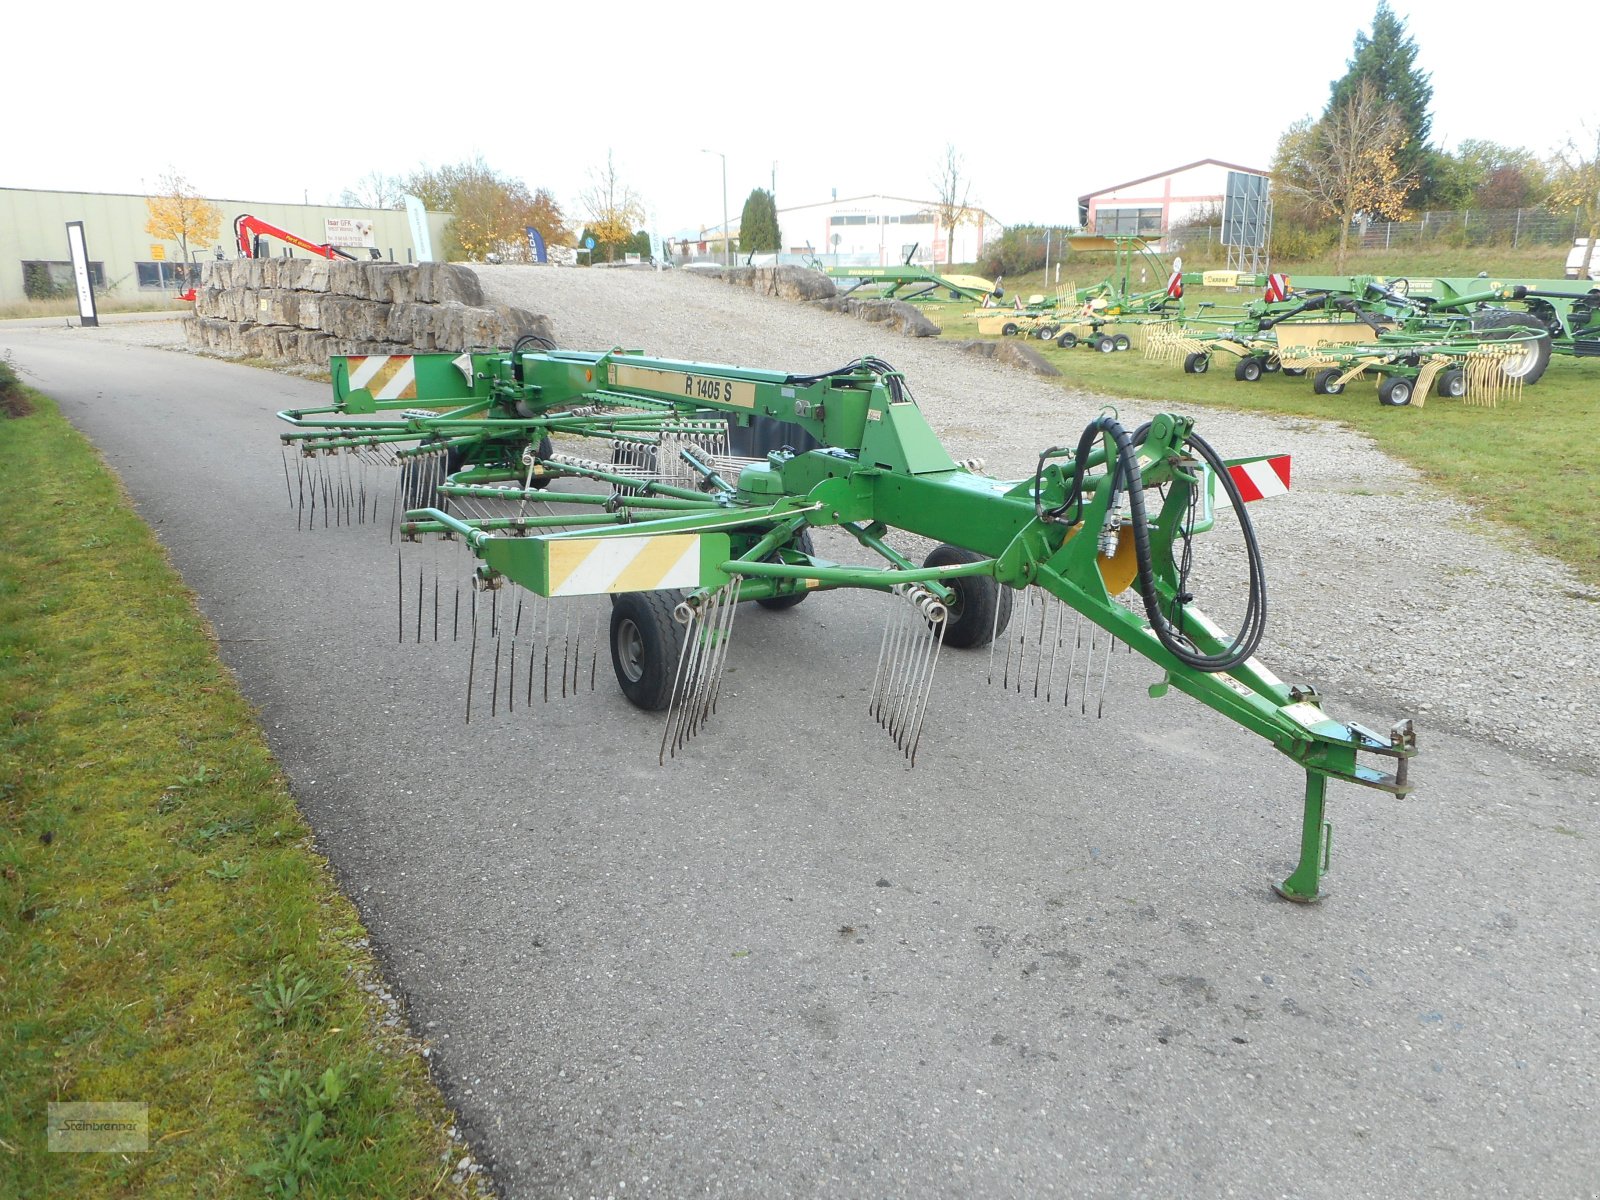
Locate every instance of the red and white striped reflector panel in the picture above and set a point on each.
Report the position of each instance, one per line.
(1175, 286)
(1261, 477)
(1277, 288)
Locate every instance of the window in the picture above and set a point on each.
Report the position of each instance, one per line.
(1127, 221)
(45, 280)
(852, 220)
(164, 276)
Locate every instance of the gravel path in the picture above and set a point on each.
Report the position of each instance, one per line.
(1382, 590)
(1384, 593)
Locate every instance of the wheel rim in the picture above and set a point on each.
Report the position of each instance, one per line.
(628, 644)
(1516, 366)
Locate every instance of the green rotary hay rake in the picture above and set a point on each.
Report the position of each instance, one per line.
(683, 490)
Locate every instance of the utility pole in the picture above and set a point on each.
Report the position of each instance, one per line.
(727, 241)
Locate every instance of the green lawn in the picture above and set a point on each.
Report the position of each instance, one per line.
(168, 935)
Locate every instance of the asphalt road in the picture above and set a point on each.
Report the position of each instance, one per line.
(1045, 961)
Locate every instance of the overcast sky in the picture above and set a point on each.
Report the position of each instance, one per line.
(292, 101)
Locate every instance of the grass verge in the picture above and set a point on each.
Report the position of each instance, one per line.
(168, 935)
(68, 307)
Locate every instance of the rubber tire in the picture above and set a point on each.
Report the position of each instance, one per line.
(1045, 333)
(1067, 340)
(803, 544)
(1247, 370)
(1104, 344)
(1122, 341)
(544, 450)
(1322, 384)
(1501, 318)
(1294, 372)
(1196, 363)
(646, 644)
(972, 615)
(1451, 384)
(1009, 329)
(1396, 391)
(1270, 365)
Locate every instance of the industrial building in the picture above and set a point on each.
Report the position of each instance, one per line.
(860, 231)
(125, 261)
(1154, 204)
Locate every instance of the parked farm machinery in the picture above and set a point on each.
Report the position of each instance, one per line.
(1091, 551)
(1460, 345)
(1107, 316)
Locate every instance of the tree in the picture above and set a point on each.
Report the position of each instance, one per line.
(614, 209)
(491, 212)
(375, 190)
(758, 224)
(953, 188)
(1347, 163)
(180, 214)
(1502, 177)
(1386, 59)
(1576, 185)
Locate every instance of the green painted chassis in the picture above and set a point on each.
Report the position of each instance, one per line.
(880, 468)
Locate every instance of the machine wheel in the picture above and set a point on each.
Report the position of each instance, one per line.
(1270, 365)
(1067, 340)
(645, 646)
(1009, 329)
(1122, 342)
(1528, 367)
(1294, 372)
(544, 450)
(1104, 344)
(1197, 363)
(978, 598)
(1451, 383)
(803, 544)
(1248, 370)
(1046, 333)
(1323, 382)
(1395, 391)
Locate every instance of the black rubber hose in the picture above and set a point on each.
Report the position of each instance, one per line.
(1126, 476)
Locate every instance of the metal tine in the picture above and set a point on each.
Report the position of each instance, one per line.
(594, 656)
(938, 623)
(472, 663)
(400, 593)
(1044, 613)
(883, 649)
(419, 604)
(685, 653)
(1072, 667)
(927, 621)
(1088, 663)
(1055, 648)
(909, 650)
(1105, 671)
(549, 629)
(566, 649)
(494, 684)
(283, 452)
(511, 679)
(907, 668)
(1005, 679)
(683, 704)
(724, 642)
(892, 666)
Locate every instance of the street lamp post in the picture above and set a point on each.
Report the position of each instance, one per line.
(727, 244)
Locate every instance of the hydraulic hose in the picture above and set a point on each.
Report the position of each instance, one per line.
(1127, 477)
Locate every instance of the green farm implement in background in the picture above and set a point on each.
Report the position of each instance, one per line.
(682, 490)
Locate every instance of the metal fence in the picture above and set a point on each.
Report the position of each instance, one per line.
(1512, 227)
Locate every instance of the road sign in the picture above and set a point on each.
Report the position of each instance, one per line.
(158, 253)
(588, 243)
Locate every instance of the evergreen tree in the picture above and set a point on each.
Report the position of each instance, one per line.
(1386, 58)
(758, 224)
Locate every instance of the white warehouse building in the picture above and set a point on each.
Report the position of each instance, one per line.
(877, 231)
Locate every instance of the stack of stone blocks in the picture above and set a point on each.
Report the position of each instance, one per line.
(305, 310)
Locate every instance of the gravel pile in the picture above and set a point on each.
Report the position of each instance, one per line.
(1388, 596)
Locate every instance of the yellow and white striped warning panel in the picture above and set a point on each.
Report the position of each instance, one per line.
(589, 566)
(386, 376)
